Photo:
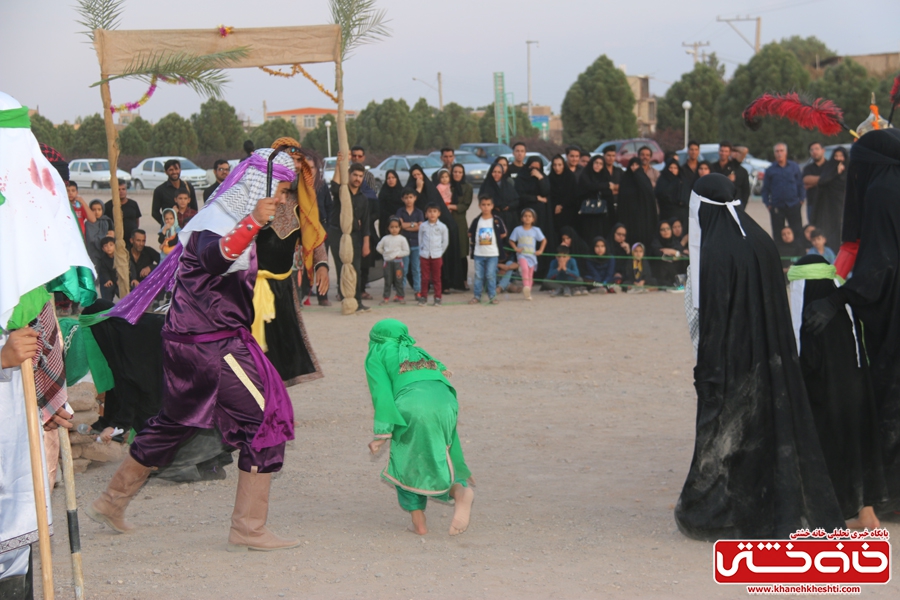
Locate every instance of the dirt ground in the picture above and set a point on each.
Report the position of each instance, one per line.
(576, 418)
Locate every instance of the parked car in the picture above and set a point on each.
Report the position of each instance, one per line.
(756, 167)
(544, 160)
(328, 168)
(486, 151)
(829, 151)
(94, 173)
(626, 149)
(150, 173)
(476, 168)
(402, 163)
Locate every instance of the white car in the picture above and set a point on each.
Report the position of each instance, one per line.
(476, 168)
(150, 173)
(328, 169)
(402, 163)
(94, 173)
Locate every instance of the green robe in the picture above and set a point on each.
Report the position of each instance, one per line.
(417, 410)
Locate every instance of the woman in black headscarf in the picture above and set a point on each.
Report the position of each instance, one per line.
(426, 193)
(461, 191)
(533, 189)
(667, 248)
(389, 200)
(673, 202)
(506, 200)
(637, 204)
(578, 248)
(830, 201)
(590, 187)
(562, 194)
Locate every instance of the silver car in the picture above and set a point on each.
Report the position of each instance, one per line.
(402, 163)
(150, 173)
(94, 173)
(476, 169)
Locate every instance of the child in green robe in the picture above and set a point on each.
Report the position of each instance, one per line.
(416, 408)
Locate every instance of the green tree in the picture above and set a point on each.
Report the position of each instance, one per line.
(268, 132)
(174, 136)
(423, 117)
(66, 133)
(44, 131)
(848, 85)
(599, 106)
(702, 86)
(317, 139)
(487, 126)
(135, 139)
(90, 138)
(218, 127)
(773, 69)
(386, 128)
(807, 50)
(453, 126)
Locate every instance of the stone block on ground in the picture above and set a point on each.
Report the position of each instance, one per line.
(77, 439)
(82, 397)
(101, 452)
(76, 451)
(80, 465)
(88, 417)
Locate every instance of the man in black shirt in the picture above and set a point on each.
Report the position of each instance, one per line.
(811, 173)
(733, 170)
(689, 169)
(573, 159)
(131, 212)
(164, 194)
(221, 169)
(448, 157)
(142, 260)
(361, 226)
(520, 151)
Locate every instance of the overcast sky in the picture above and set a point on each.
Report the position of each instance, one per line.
(47, 64)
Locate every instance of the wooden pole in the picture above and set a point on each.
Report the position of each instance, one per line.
(347, 276)
(35, 444)
(72, 512)
(112, 148)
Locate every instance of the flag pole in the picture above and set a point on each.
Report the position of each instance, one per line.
(72, 512)
(37, 476)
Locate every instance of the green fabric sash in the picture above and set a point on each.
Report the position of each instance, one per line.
(100, 371)
(28, 308)
(814, 271)
(15, 118)
(77, 283)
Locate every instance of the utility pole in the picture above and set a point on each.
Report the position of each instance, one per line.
(695, 49)
(743, 37)
(528, 44)
(440, 92)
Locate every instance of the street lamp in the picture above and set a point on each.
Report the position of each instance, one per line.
(686, 105)
(328, 133)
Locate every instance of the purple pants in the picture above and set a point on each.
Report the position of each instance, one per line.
(235, 412)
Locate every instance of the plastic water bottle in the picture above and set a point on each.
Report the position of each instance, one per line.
(83, 429)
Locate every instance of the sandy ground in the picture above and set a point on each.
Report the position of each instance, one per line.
(576, 418)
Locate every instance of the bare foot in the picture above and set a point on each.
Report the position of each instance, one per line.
(418, 522)
(463, 497)
(866, 519)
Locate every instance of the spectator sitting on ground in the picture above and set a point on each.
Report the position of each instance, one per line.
(96, 232)
(807, 235)
(564, 275)
(131, 212)
(818, 246)
(637, 270)
(106, 270)
(164, 194)
(184, 212)
(143, 260)
(600, 272)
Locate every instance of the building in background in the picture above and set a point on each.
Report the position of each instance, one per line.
(305, 119)
(876, 65)
(645, 104)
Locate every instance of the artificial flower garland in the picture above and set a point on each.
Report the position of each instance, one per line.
(297, 68)
(225, 31)
(130, 106)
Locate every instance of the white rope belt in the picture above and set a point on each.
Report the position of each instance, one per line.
(731, 209)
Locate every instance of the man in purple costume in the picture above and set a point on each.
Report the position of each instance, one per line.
(214, 372)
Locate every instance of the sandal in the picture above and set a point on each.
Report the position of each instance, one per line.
(475, 301)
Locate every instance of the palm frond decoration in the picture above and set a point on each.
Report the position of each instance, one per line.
(361, 23)
(202, 73)
(99, 14)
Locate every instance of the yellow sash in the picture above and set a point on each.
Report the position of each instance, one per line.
(264, 305)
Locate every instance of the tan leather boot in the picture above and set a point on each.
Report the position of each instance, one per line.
(251, 509)
(527, 292)
(109, 508)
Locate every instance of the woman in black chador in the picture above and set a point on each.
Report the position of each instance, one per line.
(836, 373)
(637, 204)
(758, 469)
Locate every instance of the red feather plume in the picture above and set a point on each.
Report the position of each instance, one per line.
(819, 114)
(895, 92)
